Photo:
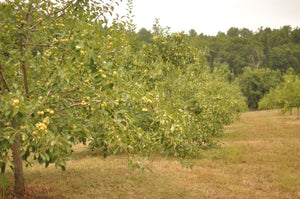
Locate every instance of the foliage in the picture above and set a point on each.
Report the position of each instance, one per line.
(145, 35)
(69, 77)
(267, 48)
(286, 95)
(244, 52)
(4, 185)
(285, 56)
(255, 83)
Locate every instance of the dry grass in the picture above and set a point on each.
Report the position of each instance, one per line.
(259, 158)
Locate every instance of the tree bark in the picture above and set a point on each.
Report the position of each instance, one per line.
(3, 78)
(24, 68)
(19, 188)
(18, 170)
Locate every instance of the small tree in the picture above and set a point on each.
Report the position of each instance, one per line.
(285, 96)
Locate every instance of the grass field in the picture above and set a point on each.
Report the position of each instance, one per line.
(259, 158)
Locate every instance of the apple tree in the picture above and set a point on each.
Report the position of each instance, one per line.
(52, 75)
(285, 96)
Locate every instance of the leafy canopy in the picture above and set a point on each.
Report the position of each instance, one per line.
(68, 76)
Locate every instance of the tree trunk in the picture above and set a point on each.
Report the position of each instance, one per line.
(297, 112)
(19, 177)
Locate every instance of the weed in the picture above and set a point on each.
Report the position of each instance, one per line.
(5, 185)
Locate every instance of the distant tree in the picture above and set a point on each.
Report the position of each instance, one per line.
(253, 53)
(281, 36)
(145, 35)
(263, 37)
(236, 54)
(221, 34)
(223, 69)
(285, 96)
(233, 32)
(255, 83)
(284, 57)
(245, 32)
(193, 33)
(290, 95)
(296, 36)
(216, 49)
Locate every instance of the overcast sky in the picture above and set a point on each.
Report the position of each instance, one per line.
(211, 16)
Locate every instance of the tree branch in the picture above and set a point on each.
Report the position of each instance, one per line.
(73, 100)
(38, 23)
(78, 104)
(48, 93)
(72, 105)
(110, 5)
(101, 51)
(3, 78)
(28, 19)
(24, 67)
(44, 45)
(63, 55)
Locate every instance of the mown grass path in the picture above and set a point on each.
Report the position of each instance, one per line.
(259, 158)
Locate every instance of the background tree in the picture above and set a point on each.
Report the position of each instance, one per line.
(233, 32)
(145, 35)
(192, 33)
(274, 49)
(245, 32)
(255, 83)
(285, 96)
(284, 57)
(295, 36)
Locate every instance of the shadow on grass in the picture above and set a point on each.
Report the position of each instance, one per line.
(32, 192)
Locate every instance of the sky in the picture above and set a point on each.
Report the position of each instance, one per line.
(211, 16)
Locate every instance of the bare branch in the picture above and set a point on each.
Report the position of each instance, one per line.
(73, 100)
(45, 98)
